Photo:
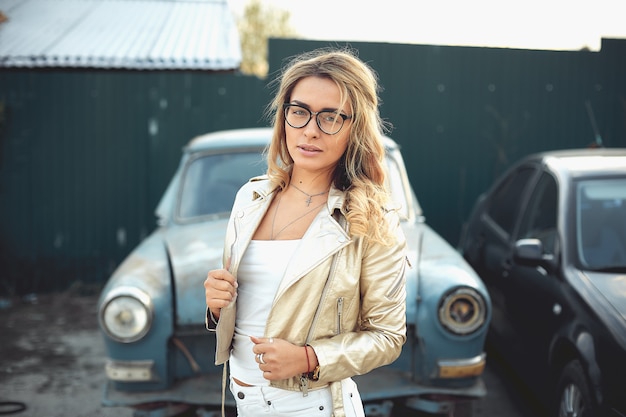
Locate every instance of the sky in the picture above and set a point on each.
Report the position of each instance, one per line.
(528, 24)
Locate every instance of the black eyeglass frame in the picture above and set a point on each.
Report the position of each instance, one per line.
(344, 117)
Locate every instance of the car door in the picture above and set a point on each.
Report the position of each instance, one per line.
(489, 250)
(535, 304)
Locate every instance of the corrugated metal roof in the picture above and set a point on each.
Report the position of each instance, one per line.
(133, 34)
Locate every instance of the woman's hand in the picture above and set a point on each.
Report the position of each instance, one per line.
(281, 358)
(220, 287)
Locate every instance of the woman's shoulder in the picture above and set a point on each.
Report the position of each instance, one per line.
(255, 182)
(255, 188)
(259, 178)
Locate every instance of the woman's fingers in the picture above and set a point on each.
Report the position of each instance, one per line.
(220, 288)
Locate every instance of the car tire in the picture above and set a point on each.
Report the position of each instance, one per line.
(573, 395)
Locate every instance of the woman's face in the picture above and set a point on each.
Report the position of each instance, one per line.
(310, 148)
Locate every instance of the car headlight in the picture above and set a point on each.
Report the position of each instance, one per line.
(462, 311)
(126, 314)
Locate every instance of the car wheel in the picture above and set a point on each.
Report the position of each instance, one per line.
(573, 394)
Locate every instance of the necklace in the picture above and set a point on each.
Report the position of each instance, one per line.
(308, 200)
(275, 235)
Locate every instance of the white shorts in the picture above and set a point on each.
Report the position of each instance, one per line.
(270, 401)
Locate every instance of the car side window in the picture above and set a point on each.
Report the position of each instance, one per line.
(601, 223)
(507, 199)
(539, 220)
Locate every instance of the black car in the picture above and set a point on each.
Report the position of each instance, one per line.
(549, 241)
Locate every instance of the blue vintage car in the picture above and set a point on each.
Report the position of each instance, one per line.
(152, 310)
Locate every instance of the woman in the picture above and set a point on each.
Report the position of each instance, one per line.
(312, 292)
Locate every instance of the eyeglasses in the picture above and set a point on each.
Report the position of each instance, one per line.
(329, 122)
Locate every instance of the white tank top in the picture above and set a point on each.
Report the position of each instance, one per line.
(259, 274)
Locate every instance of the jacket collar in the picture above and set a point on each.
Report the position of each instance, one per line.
(263, 189)
(322, 239)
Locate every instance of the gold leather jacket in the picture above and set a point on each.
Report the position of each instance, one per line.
(343, 296)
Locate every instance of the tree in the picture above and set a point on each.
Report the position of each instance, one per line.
(259, 23)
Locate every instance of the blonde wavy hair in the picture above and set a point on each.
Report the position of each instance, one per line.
(360, 172)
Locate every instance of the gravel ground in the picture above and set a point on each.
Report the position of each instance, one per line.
(52, 359)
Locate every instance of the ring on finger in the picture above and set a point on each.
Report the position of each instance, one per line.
(260, 358)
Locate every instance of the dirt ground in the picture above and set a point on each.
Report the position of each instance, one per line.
(52, 358)
(52, 362)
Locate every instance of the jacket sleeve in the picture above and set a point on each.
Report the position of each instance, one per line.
(378, 337)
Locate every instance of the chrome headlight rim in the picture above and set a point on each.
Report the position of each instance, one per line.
(447, 309)
(132, 293)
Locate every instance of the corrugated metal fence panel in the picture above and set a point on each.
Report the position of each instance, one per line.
(137, 34)
(611, 114)
(464, 114)
(86, 156)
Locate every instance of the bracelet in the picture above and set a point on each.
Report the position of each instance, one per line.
(308, 364)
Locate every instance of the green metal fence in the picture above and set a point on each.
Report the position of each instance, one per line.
(464, 114)
(85, 155)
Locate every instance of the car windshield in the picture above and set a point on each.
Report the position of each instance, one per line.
(210, 182)
(601, 224)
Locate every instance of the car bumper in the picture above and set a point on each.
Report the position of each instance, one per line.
(461, 368)
(388, 383)
(201, 390)
(378, 386)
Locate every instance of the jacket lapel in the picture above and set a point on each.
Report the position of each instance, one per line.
(324, 237)
(322, 240)
(247, 219)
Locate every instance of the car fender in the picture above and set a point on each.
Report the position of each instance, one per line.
(441, 271)
(146, 269)
(576, 342)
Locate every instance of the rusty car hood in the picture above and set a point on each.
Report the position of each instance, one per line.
(193, 251)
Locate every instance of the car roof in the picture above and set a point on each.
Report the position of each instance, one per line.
(586, 162)
(234, 138)
(248, 137)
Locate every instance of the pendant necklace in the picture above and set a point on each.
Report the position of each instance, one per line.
(280, 197)
(308, 200)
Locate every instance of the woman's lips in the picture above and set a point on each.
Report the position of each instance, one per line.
(309, 148)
